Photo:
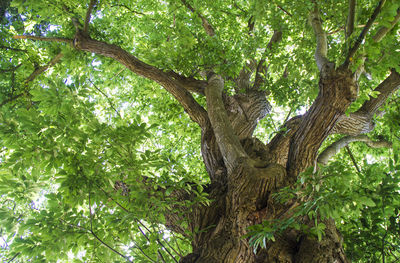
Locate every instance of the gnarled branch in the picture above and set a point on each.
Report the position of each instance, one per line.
(174, 85)
(335, 147)
(228, 142)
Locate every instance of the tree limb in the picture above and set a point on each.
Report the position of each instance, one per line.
(12, 69)
(13, 49)
(206, 25)
(384, 30)
(32, 76)
(42, 69)
(321, 51)
(350, 18)
(243, 80)
(361, 120)
(261, 67)
(228, 142)
(49, 39)
(174, 83)
(364, 32)
(178, 87)
(335, 147)
(88, 14)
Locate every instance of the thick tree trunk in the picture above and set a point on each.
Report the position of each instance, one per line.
(253, 171)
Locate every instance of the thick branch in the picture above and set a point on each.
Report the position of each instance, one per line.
(350, 18)
(173, 85)
(177, 86)
(364, 32)
(337, 91)
(88, 14)
(385, 89)
(228, 142)
(206, 25)
(384, 30)
(322, 46)
(335, 147)
(361, 120)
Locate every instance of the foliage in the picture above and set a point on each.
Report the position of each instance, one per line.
(365, 206)
(92, 156)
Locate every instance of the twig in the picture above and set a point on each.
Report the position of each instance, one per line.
(141, 250)
(98, 239)
(105, 95)
(364, 32)
(281, 8)
(13, 49)
(10, 69)
(139, 222)
(50, 39)
(145, 236)
(352, 158)
(130, 10)
(12, 259)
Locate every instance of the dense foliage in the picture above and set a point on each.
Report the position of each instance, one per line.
(92, 155)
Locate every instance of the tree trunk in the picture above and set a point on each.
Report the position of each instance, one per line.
(249, 177)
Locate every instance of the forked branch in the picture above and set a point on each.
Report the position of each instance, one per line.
(261, 67)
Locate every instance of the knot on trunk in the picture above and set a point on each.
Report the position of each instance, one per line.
(79, 39)
(339, 87)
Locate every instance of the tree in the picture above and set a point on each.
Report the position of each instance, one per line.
(98, 164)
